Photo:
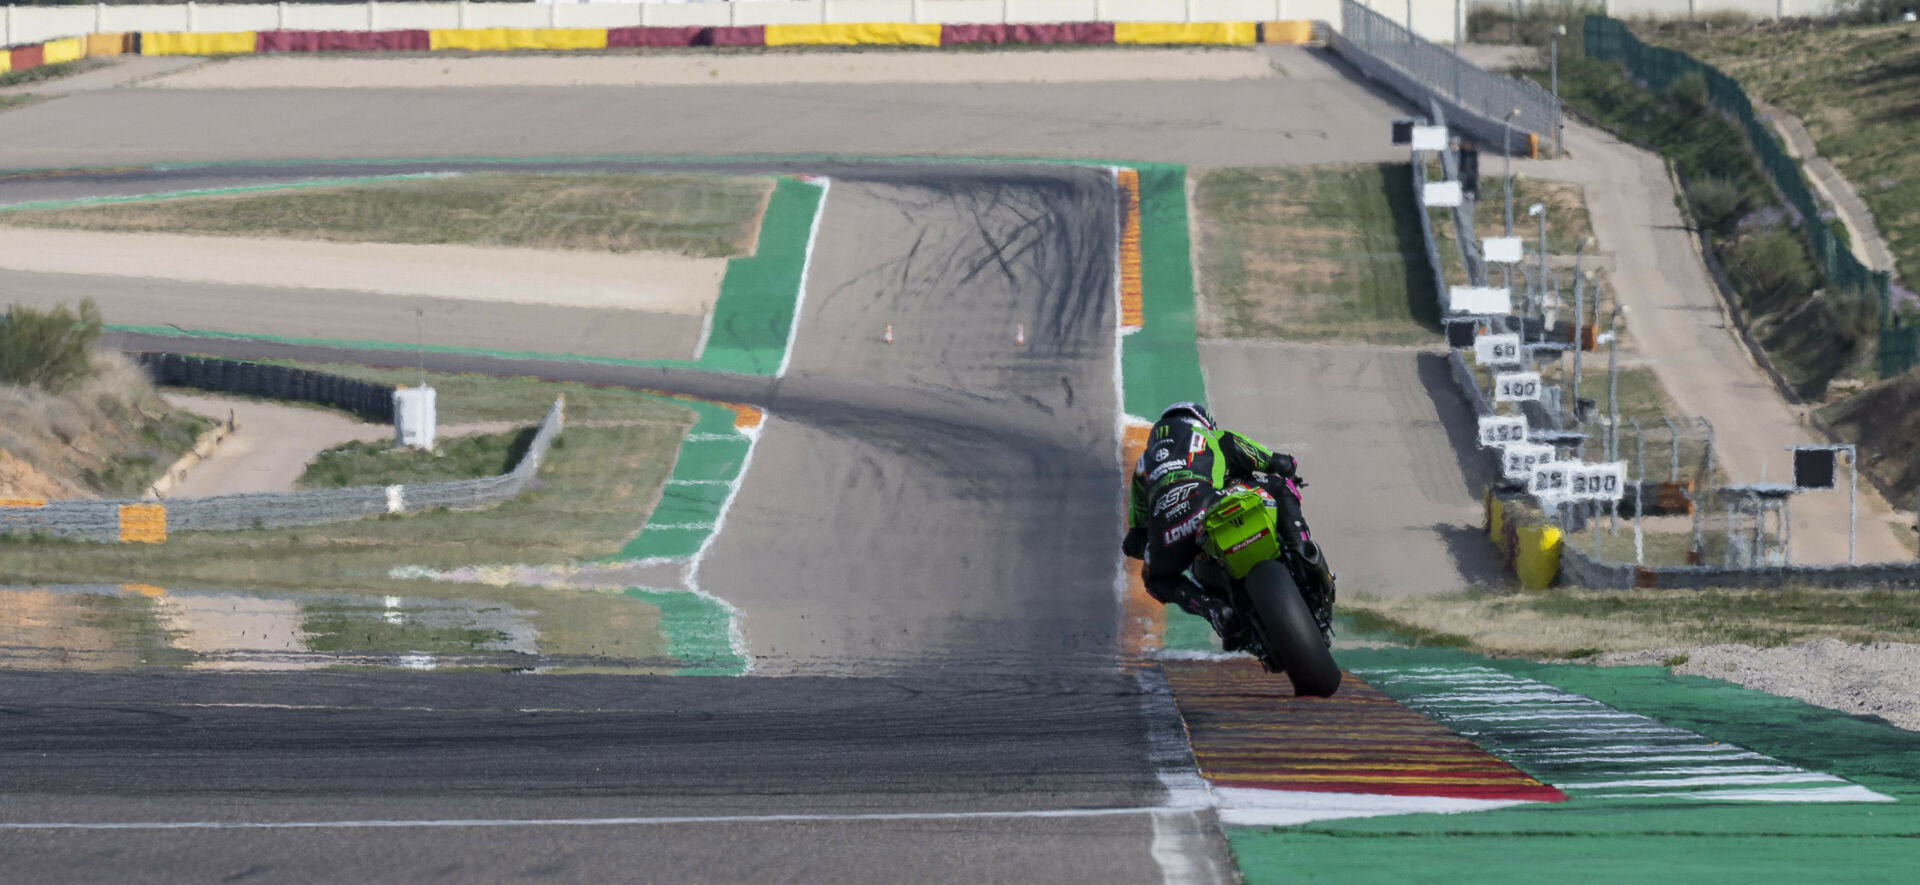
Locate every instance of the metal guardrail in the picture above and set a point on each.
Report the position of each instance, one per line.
(114, 520)
(1478, 100)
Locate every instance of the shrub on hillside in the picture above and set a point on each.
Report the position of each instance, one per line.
(48, 349)
(1716, 201)
(1771, 268)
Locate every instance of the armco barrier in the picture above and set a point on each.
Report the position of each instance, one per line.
(1075, 32)
(151, 522)
(341, 41)
(1577, 570)
(372, 402)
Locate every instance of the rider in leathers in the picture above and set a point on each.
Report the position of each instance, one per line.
(1186, 460)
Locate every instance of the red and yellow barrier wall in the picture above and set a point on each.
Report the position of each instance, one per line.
(564, 39)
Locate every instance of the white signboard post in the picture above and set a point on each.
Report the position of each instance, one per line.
(1497, 350)
(1501, 250)
(1519, 459)
(1516, 387)
(1597, 482)
(1549, 481)
(1429, 138)
(1496, 430)
(1441, 194)
(1479, 300)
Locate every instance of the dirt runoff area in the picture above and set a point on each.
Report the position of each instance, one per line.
(1871, 678)
(1063, 65)
(652, 282)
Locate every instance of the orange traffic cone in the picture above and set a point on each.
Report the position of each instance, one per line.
(887, 336)
(1019, 334)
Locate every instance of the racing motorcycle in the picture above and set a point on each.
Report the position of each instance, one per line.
(1244, 559)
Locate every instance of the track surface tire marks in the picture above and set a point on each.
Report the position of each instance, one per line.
(910, 541)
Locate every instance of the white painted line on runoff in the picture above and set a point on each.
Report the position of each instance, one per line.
(1244, 807)
(1058, 813)
(1577, 743)
(806, 268)
(700, 482)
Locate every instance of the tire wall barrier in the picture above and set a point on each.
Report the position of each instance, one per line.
(1188, 22)
(151, 521)
(371, 402)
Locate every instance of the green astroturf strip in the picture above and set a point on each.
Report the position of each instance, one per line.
(1186, 632)
(1270, 856)
(698, 632)
(1160, 363)
(753, 317)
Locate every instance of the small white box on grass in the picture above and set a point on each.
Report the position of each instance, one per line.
(1501, 250)
(413, 417)
(1441, 194)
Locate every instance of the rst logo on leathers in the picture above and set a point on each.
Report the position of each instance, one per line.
(1180, 532)
(1175, 495)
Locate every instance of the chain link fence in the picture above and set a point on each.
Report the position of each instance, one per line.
(1479, 101)
(110, 520)
(1657, 67)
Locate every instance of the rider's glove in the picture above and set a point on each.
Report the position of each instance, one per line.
(1135, 544)
(1282, 465)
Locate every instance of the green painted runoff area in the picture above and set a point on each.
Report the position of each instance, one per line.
(1160, 363)
(1657, 839)
(710, 460)
(698, 631)
(753, 318)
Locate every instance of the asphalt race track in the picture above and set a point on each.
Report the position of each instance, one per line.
(923, 550)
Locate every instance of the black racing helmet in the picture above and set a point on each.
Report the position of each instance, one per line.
(1195, 411)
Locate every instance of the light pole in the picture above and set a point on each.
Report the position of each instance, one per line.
(1553, 78)
(1613, 380)
(1506, 166)
(1579, 309)
(1457, 62)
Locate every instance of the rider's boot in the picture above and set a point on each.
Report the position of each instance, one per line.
(1227, 623)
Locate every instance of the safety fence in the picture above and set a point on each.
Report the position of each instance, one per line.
(1658, 68)
(1577, 569)
(372, 402)
(1476, 100)
(152, 521)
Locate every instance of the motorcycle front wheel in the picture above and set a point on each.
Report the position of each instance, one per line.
(1288, 631)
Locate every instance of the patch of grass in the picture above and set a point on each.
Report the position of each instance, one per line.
(1564, 623)
(1317, 253)
(55, 71)
(590, 496)
(105, 433)
(1676, 660)
(475, 399)
(1366, 620)
(379, 463)
(1567, 219)
(709, 216)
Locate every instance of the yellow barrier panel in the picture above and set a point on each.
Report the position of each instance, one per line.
(1176, 32)
(1537, 562)
(229, 43)
(1496, 513)
(503, 39)
(106, 44)
(1290, 32)
(23, 502)
(143, 523)
(6, 61)
(884, 33)
(57, 51)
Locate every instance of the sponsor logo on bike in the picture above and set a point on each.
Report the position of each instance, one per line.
(1244, 544)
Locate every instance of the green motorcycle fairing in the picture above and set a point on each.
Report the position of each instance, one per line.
(1241, 529)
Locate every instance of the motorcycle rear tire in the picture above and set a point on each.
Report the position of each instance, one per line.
(1288, 631)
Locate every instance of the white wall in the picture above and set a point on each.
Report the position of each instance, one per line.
(1432, 19)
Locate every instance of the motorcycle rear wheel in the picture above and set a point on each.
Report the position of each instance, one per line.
(1288, 631)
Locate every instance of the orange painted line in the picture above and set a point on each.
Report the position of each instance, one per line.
(147, 590)
(1143, 620)
(745, 417)
(1131, 314)
(23, 502)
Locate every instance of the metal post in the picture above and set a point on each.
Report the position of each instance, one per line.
(1409, 22)
(1786, 530)
(1506, 168)
(1853, 512)
(1613, 382)
(1579, 306)
(1759, 533)
(1553, 76)
(1699, 496)
(1639, 497)
(1457, 60)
